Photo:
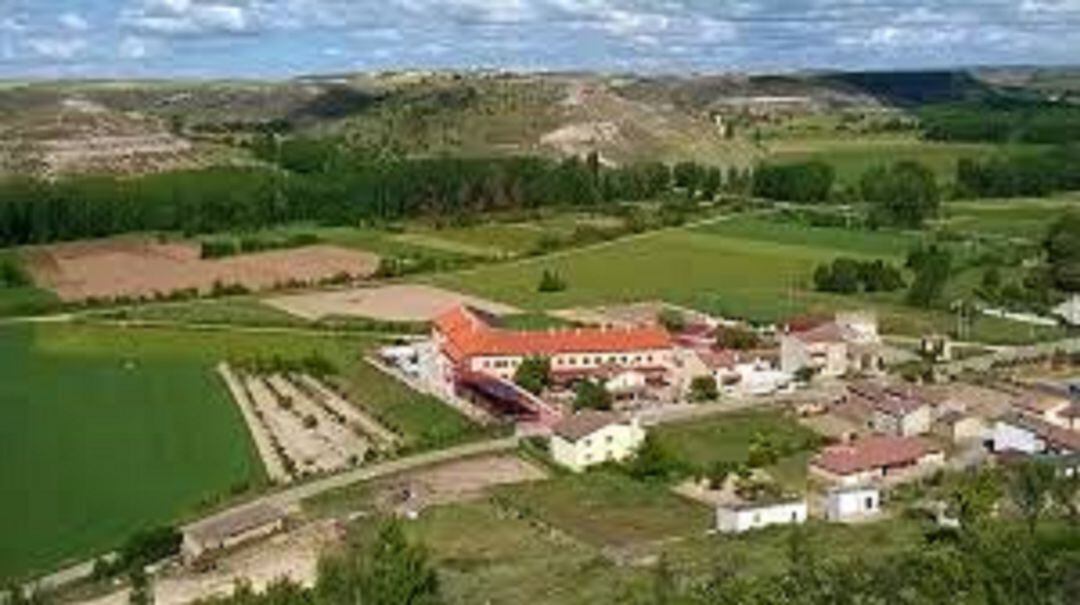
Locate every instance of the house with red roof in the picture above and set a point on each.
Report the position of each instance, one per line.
(847, 344)
(469, 342)
(904, 410)
(877, 459)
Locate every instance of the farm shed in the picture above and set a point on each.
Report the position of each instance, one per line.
(745, 516)
(229, 529)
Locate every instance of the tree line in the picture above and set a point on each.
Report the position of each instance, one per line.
(326, 183)
(1024, 174)
(1002, 121)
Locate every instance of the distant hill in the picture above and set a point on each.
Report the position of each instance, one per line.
(143, 126)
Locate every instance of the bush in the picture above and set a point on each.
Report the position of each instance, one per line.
(12, 275)
(703, 388)
(218, 248)
(533, 374)
(591, 395)
(550, 281)
(799, 182)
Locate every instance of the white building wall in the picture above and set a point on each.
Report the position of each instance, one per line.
(613, 443)
(1009, 437)
(738, 520)
(852, 504)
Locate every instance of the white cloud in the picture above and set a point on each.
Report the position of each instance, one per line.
(137, 47)
(74, 22)
(62, 49)
(193, 17)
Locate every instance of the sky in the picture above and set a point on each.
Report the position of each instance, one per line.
(283, 38)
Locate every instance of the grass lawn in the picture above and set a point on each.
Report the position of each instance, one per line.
(607, 509)
(727, 438)
(767, 551)
(100, 443)
(512, 561)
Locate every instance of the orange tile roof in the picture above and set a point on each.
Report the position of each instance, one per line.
(468, 335)
(872, 452)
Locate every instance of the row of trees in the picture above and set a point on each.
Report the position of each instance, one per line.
(1002, 122)
(1024, 174)
(849, 275)
(326, 184)
(903, 194)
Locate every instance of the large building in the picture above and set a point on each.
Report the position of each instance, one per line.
(469, 342)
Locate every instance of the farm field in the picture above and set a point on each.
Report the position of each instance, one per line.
(851, 156)
(102, 441)
(423, 421)
(1026, 218)
(744, 267)
(127, 428)
(133, 267)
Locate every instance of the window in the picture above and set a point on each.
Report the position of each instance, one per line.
(794, 516)
(588, 443)
(869, 503)
(610, 438)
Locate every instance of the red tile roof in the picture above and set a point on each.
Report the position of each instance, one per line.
(829, 332)
(895, 400)
(468, 335)
(872, 452)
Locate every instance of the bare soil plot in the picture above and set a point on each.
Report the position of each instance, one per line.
(388, 303)
(264, 441)
(139, 267)
(309, 439)
(454, 482)
(293, 555)
(343, 408)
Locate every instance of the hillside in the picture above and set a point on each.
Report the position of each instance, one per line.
(148, 126)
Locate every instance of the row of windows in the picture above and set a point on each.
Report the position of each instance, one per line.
(571, 360)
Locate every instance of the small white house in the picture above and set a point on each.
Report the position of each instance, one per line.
(589, 438)
(745, 516)
(852, 503)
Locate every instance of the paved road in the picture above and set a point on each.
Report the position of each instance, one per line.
(291, 496)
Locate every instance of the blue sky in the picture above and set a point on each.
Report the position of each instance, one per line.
(277, 38)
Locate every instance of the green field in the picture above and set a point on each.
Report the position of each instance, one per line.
(727, 438)
(22, 300)
(606, 508)
(518, 560)
(108, 429)
(744, 267)
(1026, 218)
(852, 156)
(100, 442)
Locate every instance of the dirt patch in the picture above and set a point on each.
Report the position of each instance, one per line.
(389, 303)
(143, 268)
(293, 555)
(452, 482)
